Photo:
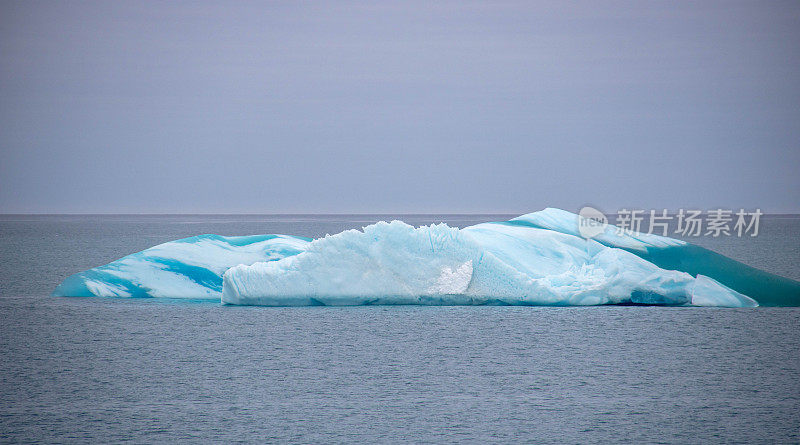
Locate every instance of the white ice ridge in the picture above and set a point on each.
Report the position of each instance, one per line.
(566, 222)
(537, 259)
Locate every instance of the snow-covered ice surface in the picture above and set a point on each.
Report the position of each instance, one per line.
(535, 259)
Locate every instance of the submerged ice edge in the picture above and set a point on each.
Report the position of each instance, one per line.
(538, 259)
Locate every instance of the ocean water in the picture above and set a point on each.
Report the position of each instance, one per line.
(116, 370)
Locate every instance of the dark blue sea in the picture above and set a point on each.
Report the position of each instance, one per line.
(96, 370)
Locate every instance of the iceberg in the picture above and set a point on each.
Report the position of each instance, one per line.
(535, 259)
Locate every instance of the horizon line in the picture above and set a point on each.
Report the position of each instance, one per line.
(334, 214)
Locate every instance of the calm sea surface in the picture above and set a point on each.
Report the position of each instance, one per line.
(113, 370)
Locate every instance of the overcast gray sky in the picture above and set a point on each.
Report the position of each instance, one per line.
(398, 107)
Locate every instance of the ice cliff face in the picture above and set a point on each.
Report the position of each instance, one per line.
(535, 259)
(492, 263)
